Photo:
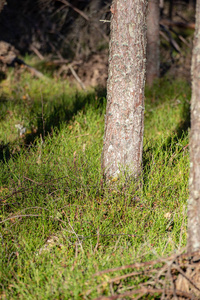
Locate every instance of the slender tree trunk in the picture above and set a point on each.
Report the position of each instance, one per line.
(153, 41)
(123, 138)
(171, 4)
(194, 183)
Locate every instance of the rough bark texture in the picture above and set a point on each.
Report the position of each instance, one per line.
(194, 183)
(153, 41)
(123, 138)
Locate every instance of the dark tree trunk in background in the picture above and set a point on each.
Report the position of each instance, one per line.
(194, 183)
(153, 41)
(124, 122)
(171, 4)
(2, 3)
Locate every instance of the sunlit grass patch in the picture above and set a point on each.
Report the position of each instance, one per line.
(60, 223)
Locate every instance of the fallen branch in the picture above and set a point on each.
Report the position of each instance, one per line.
(168, 37)
(37, 52)
(58, 61)
(160, 276)
(70, 67)
(170, 23)
(148, 291)
(9, 57)
(76, 77)
(32, 70)
(131, 266)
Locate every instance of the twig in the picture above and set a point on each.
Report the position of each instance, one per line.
(117, 242)
(35, 72)
(178, 24)
(166, 286)
(169, 273)
(150, 283)
(80, 135)
(184, 275)
(31, 69)
(37, 52)
(129, 275)
(76, 250)
(147, 291)
(70, 67)
(169, 38)
(105, 21)
(116, 279)
(75, 235)
(59, 61)
(139, 296)
(160, 273)
(76, 77)
(19, 216)
(111, 289)
(182, 18)
(35, 207)
(135, 265)
(97, 244)
(31, 180)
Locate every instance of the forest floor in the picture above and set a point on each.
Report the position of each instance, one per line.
(60, 223)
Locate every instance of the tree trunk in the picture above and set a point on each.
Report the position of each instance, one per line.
(194, 182)
(2, 3)
(123, 137)
(153, 41)
(171, 4)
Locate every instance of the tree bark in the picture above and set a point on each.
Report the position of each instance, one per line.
(194, 182)
(153, 41)
(124, 121)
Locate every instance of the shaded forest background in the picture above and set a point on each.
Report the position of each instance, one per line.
(72, 32)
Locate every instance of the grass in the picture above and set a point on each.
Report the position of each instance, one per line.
(60, 223)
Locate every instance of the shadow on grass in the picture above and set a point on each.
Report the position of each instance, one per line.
(166, 89)
(5, 152)
(3, 106)
(171, 141)
(63, 111)
(52, 116)
(180, 130)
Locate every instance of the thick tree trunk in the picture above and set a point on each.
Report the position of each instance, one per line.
(153, 41)
(194, 183)
(123, 138)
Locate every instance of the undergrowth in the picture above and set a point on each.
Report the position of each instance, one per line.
(60, 223)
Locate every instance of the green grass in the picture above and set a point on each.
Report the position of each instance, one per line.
(60, 223)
